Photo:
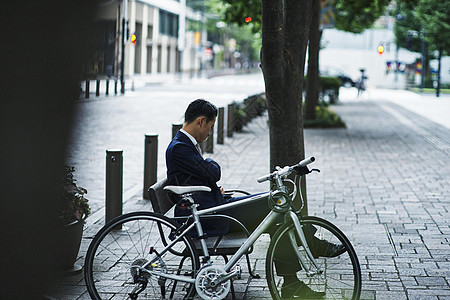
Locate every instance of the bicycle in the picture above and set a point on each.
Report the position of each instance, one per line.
(150, 255)
(360, 84)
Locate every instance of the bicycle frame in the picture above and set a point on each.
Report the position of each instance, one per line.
(268, 221)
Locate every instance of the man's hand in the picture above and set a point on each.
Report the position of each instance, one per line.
(221, 190)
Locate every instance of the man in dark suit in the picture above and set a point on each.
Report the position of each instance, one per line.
(186, 166)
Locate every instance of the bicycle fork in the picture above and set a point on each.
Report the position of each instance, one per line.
(298, 227)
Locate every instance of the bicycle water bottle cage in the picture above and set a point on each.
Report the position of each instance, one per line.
(279, 201)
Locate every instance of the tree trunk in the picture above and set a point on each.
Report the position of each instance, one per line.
(285, 27)
(312, 82)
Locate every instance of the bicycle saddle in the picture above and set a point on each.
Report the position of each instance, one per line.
(180, 190)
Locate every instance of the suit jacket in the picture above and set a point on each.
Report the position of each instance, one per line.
(186, 166)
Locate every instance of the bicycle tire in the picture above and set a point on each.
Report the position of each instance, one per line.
(132, 239)
(341, 277)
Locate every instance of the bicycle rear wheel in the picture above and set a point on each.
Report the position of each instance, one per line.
(129, 241)
(341, 276)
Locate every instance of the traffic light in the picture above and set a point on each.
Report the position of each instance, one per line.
(380, 49)
(248, 19)
(133, 39)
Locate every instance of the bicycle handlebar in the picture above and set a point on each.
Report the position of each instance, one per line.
(286, 170)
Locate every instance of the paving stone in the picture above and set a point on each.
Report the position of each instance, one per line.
(386, 295)
(430, 280)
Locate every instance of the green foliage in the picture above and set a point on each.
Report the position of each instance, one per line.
(435, 19)
(444, 90)
(247, 35)
(407, 26)
(237, 10)
(325, 118)
(415, 17)
(250, 108)
(74, 205)
(247, 41)
(353, 16)
(328, 85)
(356, 16)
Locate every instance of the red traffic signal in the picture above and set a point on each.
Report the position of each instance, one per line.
(133, 39)
(380, 49)
(248, 19)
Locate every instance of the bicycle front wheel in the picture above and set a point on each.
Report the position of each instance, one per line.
(341, 273)
(114, 261)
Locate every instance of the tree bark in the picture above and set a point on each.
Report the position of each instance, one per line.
(312, 81)
(285, 29)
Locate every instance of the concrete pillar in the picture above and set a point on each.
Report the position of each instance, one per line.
(114, 184)
(164, 53)
(144, 40)
(88, 84)
(175, 128)
(129, 67)
(155, 40)
(230, 120)
(209, 143)
(220, 123)
(97, 90)
(150, 162)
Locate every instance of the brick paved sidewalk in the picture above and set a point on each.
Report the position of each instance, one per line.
(384, 182)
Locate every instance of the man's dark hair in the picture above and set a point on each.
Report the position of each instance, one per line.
(198, 108)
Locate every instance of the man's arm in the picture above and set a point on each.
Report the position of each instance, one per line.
(190, 162)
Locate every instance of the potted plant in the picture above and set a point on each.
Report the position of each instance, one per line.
(73, 211)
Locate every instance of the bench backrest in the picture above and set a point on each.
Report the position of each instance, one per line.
(160, 199)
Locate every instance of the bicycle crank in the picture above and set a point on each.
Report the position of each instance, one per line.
(209, 283)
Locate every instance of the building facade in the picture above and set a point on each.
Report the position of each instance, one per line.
(164, 43)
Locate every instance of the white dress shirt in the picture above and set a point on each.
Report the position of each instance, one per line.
(193, 140)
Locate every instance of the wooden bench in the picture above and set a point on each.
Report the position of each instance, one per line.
(224, 246)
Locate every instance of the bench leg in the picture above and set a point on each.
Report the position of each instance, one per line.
(256, 276)
(175, 282)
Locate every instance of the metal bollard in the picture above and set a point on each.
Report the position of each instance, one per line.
(107, 87)
(150, 162)
(97, 91)
(115, 87)
(220, 122)
(209, 143)
(175, 128)
(114, 184)
(230, 120)
(86, 95)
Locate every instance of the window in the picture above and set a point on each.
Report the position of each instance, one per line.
(168, 23)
